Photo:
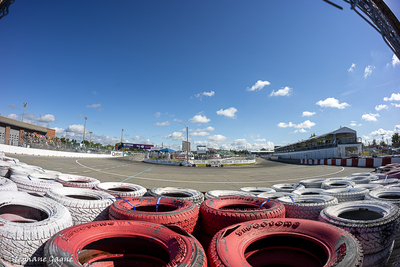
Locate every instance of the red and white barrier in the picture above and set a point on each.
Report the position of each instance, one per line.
(357, 162)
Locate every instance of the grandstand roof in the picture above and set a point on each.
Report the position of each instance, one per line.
(4, 121)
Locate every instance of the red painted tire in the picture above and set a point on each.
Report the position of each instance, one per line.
(220, 212)
(71, 180)
(284, 242)
(124, 243)
(170, 211)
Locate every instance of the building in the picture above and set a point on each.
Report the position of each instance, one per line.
(340, 143)
(12, 131)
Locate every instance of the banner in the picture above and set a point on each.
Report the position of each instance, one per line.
(138, 146)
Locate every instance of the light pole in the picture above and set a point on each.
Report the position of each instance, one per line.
(90, 140)
(122, 134)
(187, 142)
(84, 130)
(23, 112)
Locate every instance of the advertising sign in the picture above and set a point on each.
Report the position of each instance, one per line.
(201, 149)
(185, 146)
(138, 146)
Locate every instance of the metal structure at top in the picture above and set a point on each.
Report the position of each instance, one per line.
(4, 4)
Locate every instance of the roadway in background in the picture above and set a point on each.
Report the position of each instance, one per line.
(131, 169)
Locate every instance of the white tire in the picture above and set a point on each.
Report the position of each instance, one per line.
(71, 180)
(121, 189)
(32, 184)
(385, 182)
(359, 179)
(313, 183)
(192, 195)
(337, 183)
(369, 186)
(276, 195)
(85, 205)
(221, 193)
(4, 168)
(7, 185)
(257, 190)
(308, 191)
(27, 222)
(347, 194)
(287, 187)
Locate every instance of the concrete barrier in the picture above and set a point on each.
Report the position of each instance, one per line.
(357, 162)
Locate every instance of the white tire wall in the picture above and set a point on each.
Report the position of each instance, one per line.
(375, 233)
(72, 180)
(7, 185)
(337, 183)
(192, 195)
(288, 188)
(256, 190)
(85, 205)
(33, 184)
(313, 183)
(222, 193)
(347, 194)
(121, 189)
(22, 243)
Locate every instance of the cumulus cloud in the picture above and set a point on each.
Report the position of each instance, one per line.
(395, 61)
(46, 118)
(380, 107)
(199, 119)
(94, 106)
(209, 128)
(158, 114)
(397, 128)
(209, 94)
(332, 103)
(165, 123)
(199, 134)
(229, 112)
(352, 67)
(306, 124)
(381, 132)
(281, 92)
(308, 114)
(217, 138)
(300, 131)
(177, 136)
(260, 140)
(76, 128)
(396, 105)
(370, 117)
(13, 116)
(393, 97)
(59, 131)
(368, 71)
(258, 86)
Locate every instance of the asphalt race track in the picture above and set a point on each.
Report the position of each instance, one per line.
(131, 169)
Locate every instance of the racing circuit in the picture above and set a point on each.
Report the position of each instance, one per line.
(131, 169)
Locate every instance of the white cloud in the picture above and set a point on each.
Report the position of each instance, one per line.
(94, 106)
(393, 97)
(353, 123)
(209, 128)
(209, 94)
(230, 112)
(258, 86)
(199, 119)
(396, 105)
(380, 132)
(282, 92)
(217, 138)
(306, 124)
(136, 137)
(368, 71)
(308, 114)
(165, 123)
(158, 114)
(177, 136)
(13, 117)
(332, 103)
(370, 117)
(352, 67)
(46, 118)
(397, 128)
(380, 107)
(76, 128)
(260, 140)
(395, 61)
(199, 134)
(300, 131)
(59, 131)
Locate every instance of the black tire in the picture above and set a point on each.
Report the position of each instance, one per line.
(347, 194)
(374, 223)
(26, 223)
(288, 188)
(178, 192)
(85, 205)
(306, 207)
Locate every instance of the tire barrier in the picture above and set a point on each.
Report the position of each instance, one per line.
(306, 207)
(220, 193)
(282, 242)
(313, 183)
(178, 192)
(124, 243)
(34, 184)
(85, 205)
(162, 210)
(359, 179)
(257, 190)
(4, 168)
(309, 191)
(356, 162)
(26, 223)
(385, 182)
(7, 185)
(71, 180)
(121, 189)
(369, 186)
(288, 188)
(374, 223)
(276, 195)
(220, 212)
(347, 194)
(337, 183)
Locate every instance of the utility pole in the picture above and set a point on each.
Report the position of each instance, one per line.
(23, 112)
(122, 134)
(187, 142)
(84, 130)
(90, 139)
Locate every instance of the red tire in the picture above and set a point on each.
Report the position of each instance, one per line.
(170, 211)
(220, 212)
(123, 243)
(284, 242)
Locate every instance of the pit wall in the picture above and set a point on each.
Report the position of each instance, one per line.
(54, 153)
(361, 162)
(177, 163)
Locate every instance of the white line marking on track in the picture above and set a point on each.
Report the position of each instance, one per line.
(205, 182)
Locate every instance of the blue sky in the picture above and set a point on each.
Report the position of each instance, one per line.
(239, 74)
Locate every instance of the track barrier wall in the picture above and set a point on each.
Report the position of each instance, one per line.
(357, 162)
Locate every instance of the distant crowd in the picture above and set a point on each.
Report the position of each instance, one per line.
(40, 141)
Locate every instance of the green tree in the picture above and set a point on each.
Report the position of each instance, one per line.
(374, 142)
(313, 135)
(396, 140)
(382, 143)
